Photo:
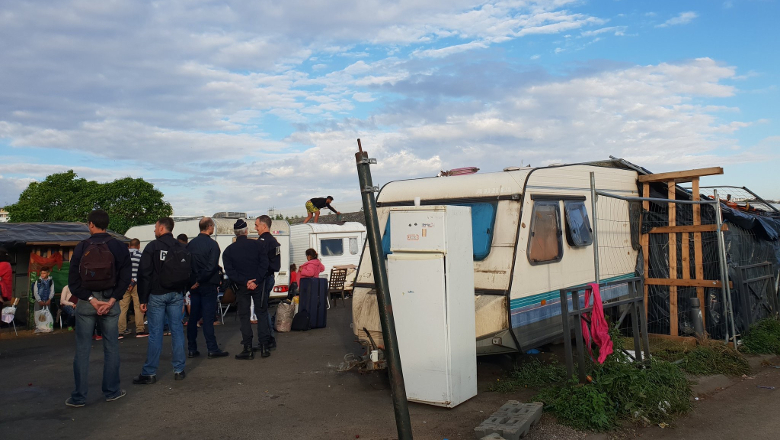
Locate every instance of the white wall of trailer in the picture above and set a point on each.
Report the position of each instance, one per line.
(352, 236)
(506, 283)
(224, 236)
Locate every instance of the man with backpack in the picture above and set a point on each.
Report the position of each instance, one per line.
(162, 281)
(246, 264)
(99, 275)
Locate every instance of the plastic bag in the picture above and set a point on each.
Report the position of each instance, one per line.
(8, 314)
(44, 323)
(284, 317)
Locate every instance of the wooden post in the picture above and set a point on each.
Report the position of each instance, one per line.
(645, 241)
(697, 248)
(672, 208)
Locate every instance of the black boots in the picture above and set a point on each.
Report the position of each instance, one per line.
(265, 350)
(247, 354)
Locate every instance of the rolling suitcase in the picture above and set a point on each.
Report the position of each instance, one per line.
(313, 299)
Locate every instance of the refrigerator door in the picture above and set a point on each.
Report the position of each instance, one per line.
(417, 291)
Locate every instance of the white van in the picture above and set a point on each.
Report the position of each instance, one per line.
(336, 245)
(224, 236)
(521, 219)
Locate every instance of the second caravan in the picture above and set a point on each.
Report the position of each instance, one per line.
(337, 245)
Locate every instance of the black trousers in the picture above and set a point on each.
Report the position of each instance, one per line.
(244, 301)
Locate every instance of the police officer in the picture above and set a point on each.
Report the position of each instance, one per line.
(271, 248)
(246, 265)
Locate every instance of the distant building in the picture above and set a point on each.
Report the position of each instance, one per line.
(3, 216)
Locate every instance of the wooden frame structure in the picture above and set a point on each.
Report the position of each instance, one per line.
(671, 180)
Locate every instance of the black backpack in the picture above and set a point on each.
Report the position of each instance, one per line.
(300, 321)
(176, 268)
(96, 268)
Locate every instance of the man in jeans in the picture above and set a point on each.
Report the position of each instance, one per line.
(98, 304)
(246, 264)
(203, 293)
(132, 295)
(158, 302)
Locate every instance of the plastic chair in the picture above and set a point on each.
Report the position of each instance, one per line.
(336, 284)
(227, 300)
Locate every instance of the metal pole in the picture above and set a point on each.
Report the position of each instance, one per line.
(593, 201)
(400, 405)
(724, 272)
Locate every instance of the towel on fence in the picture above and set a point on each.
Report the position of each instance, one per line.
(599, 328)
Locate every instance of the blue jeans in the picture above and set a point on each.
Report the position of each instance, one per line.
(203, 304)
(159, 307)
(86, 318)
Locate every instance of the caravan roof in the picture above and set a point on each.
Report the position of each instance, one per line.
(224, 226)
(504, 183)
(317, 228)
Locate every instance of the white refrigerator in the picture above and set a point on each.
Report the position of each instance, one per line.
(431, 281)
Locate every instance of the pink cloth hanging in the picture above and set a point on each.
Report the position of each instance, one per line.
(598, 324)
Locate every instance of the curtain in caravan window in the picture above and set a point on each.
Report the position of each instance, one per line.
(544, 245)
(332, 247)
(578, 231)
(353, 246)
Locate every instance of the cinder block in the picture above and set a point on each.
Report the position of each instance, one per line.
(512, 421)
(493, 436)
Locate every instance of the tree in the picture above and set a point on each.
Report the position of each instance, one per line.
(66, 197)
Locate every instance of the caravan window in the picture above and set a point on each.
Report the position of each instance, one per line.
(332, 247)
(578, 230)
(353, 247)
(544, 244)
(483, 219)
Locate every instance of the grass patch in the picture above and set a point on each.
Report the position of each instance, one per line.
(533, 374)
(763, 337)
(621, 391)
(711, 357)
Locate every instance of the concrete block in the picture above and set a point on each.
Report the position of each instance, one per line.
(493, 436)
(512, 421)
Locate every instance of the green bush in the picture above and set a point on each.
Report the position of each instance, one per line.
(763, 337)
(533, 374)
(714, 358)
(621, 391)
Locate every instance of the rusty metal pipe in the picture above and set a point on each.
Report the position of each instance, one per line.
(400, 405)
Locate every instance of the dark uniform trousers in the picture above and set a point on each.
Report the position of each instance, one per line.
(244, 300)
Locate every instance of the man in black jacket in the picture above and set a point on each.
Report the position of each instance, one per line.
(158, 301)
(246, 265)
(98, 305)
(271, 247)
(203, 293)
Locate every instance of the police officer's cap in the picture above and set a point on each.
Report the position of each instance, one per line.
(240, 224)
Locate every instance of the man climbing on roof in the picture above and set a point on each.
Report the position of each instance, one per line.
(314, 205)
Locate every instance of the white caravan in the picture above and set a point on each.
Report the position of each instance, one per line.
(336, 245)
(531, 230)
(224, 236)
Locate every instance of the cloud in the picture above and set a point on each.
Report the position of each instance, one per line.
(615, 30)
(682, 18)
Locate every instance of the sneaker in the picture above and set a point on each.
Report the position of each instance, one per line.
(168, 333)
(144, 380)
(97, 337)
(142, 335)
(121, 394)
(121, 337)
(73, 404)
(126, 332)
(179, 376)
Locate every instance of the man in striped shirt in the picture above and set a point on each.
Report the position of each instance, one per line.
(132, 294)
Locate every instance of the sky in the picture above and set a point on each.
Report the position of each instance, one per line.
(244, 106)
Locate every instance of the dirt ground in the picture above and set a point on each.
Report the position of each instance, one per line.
(297, 393)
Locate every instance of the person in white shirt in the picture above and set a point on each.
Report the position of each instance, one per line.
(67, 306)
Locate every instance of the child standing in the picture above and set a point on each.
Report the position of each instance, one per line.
(43, 289)
(292, 289)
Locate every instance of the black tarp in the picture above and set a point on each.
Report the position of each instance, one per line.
(19, 234)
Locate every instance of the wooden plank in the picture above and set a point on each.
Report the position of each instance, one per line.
(645, 242)
(680, 176)
(682, 283)
(672, 210)
(698, 253)
(686, 228)
(686, 340)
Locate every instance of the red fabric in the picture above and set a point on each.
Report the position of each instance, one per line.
(598, 324)
(37, 262)
(311, 269)
(5, 283)
(293, 277)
